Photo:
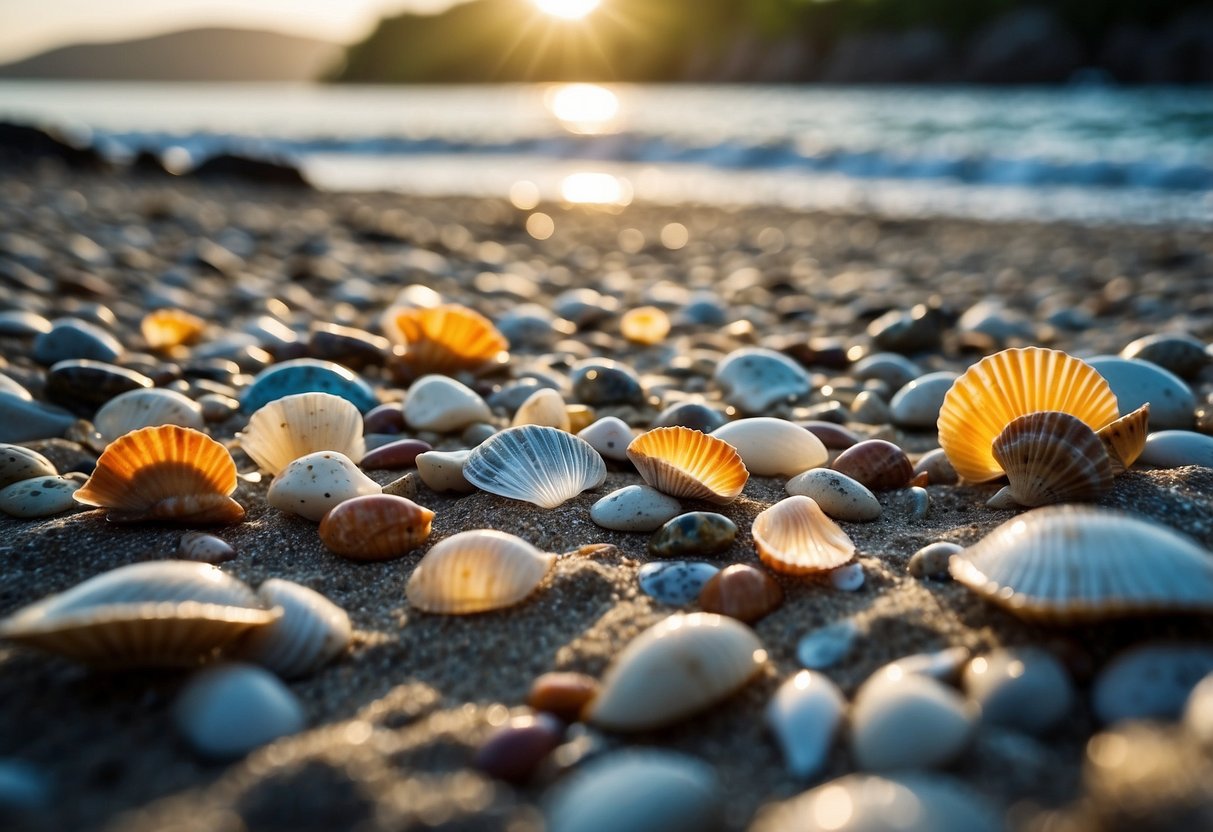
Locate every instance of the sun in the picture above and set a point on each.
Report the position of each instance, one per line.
(567, 9)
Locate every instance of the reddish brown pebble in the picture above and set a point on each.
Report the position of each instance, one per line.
(395, 455)
(562, 694)
(514, 751)
(205, 548)
(831, 435)
(740, 591)
(936, 466)
(878, 464)
(384, 418)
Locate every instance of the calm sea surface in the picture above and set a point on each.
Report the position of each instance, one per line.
(1087, 153)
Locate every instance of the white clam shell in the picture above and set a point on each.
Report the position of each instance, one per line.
(313, 484)
(1066, 563)
(610, 436)
(838, 495)
(902, 720)
(795, 537)
(443, 470)
(1135, 382)
(477, 571)
(538, 465)
(294, 426)
(442, 404)
(228, 710)
(145, 408)
(676, 668)
(804, 715)
(311, 632)
(773, 447)
(543, 407)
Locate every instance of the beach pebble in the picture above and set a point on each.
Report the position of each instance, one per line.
(694, 415)
(827, 646)
(217, 407)
(205, 548)
(804, 715)
(938, 468)
(833, 436)
(396, 455)
(902, 331)
(477, 433)
(313, 484)
(1176, 352)
(543, 407)
(773, 447)
(384, 418)
(848, 578)
(22, 420)
(584, 306)
(562, 693)
(675, 582)
(514, 751)
(993, 319)
(903, 721)
(226, 711)
(754, 379)
(875, 464)
(1151, 681)
(634, 508)
(38, 497)
(915, 502)
(20, 323)
(408, 486)
(1134, 383)
(894, 370)
(693, 533)
(610, 436)
(443, 405)
(73, 338)
(944, 665)
(741, 591)
(1022, 688)
(350, 347)
(10, 387)
(917, 404)
(869, 408)
(307, 375)
(82, 385)
(531, 326)
(1176, 448)
(443, 471)
(839, 496)
(1198, 712)
(600, 381)
(931, 561)
(18, 463)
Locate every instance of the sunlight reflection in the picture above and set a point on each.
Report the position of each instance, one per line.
(567, 9)
(583, 108)
(596, 189)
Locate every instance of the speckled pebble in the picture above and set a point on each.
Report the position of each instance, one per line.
(1177, 352)
(694, 533)
(634, 508)
(754, 379)
(610, 436)
(1023, 688)
(203, 547)
(675, 582)
(839, 496)
(931, 561)
(313, 484)
(827, 646)
(38, 497)
(18, 463)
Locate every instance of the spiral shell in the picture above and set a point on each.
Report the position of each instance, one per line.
(1125, 439)
(688, 464)
(443, 339)
(876, 464)
(795, 537)
(1007, 385)
(375, 527)
(146, 407)
(311, 632)
(1052, 457)
(167, 473)
(477, 571)
(294, 426)
(539, 465)
(166, 328)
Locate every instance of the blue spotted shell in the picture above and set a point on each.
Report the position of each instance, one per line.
(307, 375)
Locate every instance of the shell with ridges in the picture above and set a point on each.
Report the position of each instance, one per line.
(540, 465)
(795, 537)
(311, 632)
(773, 447)
(443, 339)
(1125, 438)
(477, 571)
(294, 426)
(1052, 457)
(375, 527)
(1069, 563)
(166, 473)
(1007, 385)
(146, 407)
(165, 328)
(686, 463)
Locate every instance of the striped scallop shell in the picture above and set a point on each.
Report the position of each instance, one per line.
(1052, 457)
(1069, 563)
(795, 537)
(477, 571)
(688, 464)
(443, 339)
(157, 613)
(375, 527)
(1125, 438)
(146, 407)
(294, 426)
(311, 632)
(1007, 385)
(675, 669)
(540, 465)
(166, 328)
(167, 473)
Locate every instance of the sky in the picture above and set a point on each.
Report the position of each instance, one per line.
(30, 26)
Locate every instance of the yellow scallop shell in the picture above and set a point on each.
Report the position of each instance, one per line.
(443, 339)
(1006, 385)
(689, 464)
(1125, 439)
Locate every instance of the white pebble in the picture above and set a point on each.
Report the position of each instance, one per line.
(442, 404)
(443, 470)
(635, 508)
(610, 436)
(903, 721)
(313, 484)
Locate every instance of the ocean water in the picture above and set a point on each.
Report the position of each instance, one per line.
(1086, 153)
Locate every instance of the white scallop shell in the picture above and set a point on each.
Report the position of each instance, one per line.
(294, 426)
(311, 632)
(538, 465)
(313, 484)
(795, 537)
(477, 571)
(773, 447)
(145, 408)
(1066, 563)
(674, 669)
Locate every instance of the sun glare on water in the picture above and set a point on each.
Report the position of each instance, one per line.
(567, 9)
(583, 108)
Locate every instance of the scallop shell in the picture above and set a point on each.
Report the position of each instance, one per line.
(443, 339)
(157, 613)
(1052, 457)
(773, 447)
(1068, 563)
(1125, 438)
(146, 407)
(540, 465)
(295, 426)
(165, 473)
(477, 571)
(675, 669)
(795, 537)
(876, 464)
(688, 464)
(166, 328)
(1007, 385)
(311, 632)
(375, 527)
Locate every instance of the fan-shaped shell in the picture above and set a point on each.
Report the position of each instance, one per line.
(675, 669)
(1125, 438)
(146, 407)
(311, 632)
(795, 537)
(540, 465)
(166, 473)
(689, 464)
(295, 426)
(1007, 385)
(165, 328)
(375, 527)
(773, 447)
(157, 613)
(1052, 457)
(443, 339)
(477, 571)
(1068, 563)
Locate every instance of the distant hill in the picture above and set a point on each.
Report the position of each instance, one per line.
(214, 54)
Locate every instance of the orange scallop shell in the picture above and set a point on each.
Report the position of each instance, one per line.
(1125, 438)
(795, 537)
(165, 328)
(689, 464)
(1013, 383)
(375, 527)
(1052, 457)
(166, 473)
(443, 339)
